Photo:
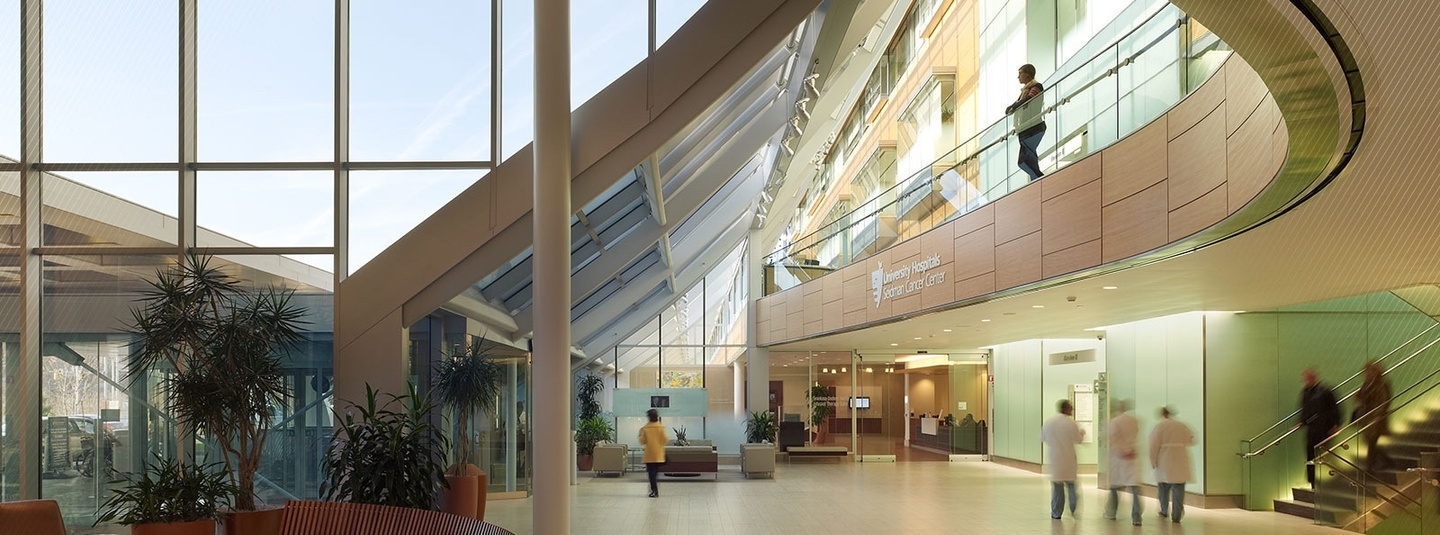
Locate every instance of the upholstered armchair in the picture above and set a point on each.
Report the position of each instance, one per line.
(757, 459)
(610, 458)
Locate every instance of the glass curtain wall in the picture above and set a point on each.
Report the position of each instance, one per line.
(252, 163)
(695, 343)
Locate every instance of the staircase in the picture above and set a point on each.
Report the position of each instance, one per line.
(1356, 500)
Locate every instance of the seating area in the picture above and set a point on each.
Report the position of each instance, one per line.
(691, 460)
(837, 453)
(31, 517)
(757, 459)
(339, 518)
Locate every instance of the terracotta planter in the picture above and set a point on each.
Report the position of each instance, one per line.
(198, 527)
(585, 463)
(266, 522)
(467, 493)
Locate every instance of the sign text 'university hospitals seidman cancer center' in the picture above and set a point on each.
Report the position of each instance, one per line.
(904, 279)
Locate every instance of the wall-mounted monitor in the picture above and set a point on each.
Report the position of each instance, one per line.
(862, 402)
(659, 402)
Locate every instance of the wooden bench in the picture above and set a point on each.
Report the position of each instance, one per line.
(339, 518)
(839, 453)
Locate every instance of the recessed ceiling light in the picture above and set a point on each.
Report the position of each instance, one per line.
(1109, 287)
(917, 338)
(892, 344)
(984, 321)
(1037, 306)
(947, 330)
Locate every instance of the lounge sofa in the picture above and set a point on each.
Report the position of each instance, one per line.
(686, 460)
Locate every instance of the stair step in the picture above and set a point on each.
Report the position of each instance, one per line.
(1303, 495)
(1294, 508)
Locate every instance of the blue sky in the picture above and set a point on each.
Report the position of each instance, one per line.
(420, 90)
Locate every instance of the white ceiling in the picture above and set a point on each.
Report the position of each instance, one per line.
(1376, 227)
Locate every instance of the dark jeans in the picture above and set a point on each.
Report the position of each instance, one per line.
(653, 470)
(1029, 144)
(1376, 458)
(1172, 500)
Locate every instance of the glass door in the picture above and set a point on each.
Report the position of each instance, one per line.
(877, 403)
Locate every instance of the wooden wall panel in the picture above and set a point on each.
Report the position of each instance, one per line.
(1248, 155)
(975, 286)
(1071, 218)
(857, 282)
(1198, 214)
(1244, 91)
(1136, 224)
(982, 216)
(1076, 175)
(975, 253)
(1198, 105)
(940, 293)
(1017, 214)
(1197, 160)
(1135, 163)
(814, 304)
(1018, 261)
(1073, 259)
(939, 240)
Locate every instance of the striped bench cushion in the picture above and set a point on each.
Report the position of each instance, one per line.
(339, 518)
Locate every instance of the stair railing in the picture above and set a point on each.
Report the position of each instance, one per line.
(1330, 456)
(1296, 413)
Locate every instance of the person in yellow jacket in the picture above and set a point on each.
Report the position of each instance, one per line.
(653, 438)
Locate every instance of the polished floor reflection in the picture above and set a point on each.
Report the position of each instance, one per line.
(868, 498)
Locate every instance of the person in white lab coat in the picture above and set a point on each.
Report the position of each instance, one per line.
(1170, 457)
(1060, 435)
(1124, 431)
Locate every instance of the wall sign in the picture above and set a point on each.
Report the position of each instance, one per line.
(1072, 357)
(905, 279)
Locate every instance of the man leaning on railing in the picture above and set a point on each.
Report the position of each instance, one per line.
(1028, 121)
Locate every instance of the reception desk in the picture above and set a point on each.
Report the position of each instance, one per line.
(966, 439)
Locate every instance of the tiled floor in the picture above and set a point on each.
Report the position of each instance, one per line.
(869, 498)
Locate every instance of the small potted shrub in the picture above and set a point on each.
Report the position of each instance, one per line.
(170, 499)
(389, 455)
(761, 428)
(469, 384)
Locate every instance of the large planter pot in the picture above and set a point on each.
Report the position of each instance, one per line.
(198, 527)
(266, 522)
(585, 463)
(467, 493)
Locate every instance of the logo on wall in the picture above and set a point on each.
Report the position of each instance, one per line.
(877, 282)
(900, 281)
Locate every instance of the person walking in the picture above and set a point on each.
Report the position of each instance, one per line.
(1170, 457)
(1061, 434)
(1029, 124)
(1124, 431)
(653, 438)
(1373, 413)
(1319, 413)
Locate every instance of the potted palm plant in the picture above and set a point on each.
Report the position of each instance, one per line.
(588, 434)
(223, 350)
(170, 499)
(820, 410)
(590, 427)
(387, 454)
(469, 383)
(761, 428)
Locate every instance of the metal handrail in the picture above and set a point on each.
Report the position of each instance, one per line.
(1337, 471)
(1366, 416)
(1292, 430)
(1179, 22)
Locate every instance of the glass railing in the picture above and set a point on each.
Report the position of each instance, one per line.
(1354, 489)
(1267, 477)
(1122, 88)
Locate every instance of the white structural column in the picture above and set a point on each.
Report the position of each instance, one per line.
(26, 405)
(757, 359)
(551, 344)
